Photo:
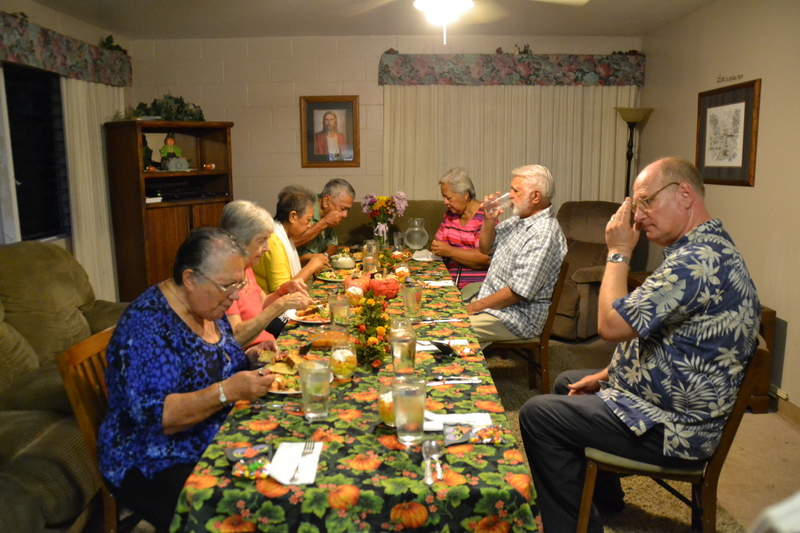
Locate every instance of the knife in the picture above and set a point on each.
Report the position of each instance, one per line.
(435, 321)
(454, 382)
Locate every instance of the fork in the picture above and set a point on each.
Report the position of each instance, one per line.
(307, 449)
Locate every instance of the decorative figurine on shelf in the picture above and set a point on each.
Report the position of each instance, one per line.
(147, 153)
(171, 155)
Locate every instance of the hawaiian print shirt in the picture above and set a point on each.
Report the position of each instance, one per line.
(697, 317)
(527, 259)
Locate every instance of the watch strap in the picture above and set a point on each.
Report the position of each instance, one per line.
(223, 399)
(618, 258)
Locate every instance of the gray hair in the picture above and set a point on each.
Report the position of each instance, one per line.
(293, 198)
(336, 188)
(203, 250)
(459, 182)
(539, 177)
(680, 170)
(245, 220)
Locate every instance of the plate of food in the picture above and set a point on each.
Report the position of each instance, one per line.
(335, 276)
(313, 314)
(287, 380)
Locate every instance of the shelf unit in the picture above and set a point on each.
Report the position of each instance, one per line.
(147, 234)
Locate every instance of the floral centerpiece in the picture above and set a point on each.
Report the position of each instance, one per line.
(371, 330)
(383, 210)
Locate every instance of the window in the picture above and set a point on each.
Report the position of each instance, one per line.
(36, 125)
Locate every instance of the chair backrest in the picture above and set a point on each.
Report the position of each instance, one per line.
(754, 369)
(83, 368)
(586, 220)
(551, 313)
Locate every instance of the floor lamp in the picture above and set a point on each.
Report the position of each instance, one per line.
(633, 116)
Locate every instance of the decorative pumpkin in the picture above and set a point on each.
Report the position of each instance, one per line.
(365, 462)
(492, 524)
(201, 481)
(521, 483)
(388, 287)
(262, 425)
(271, 488)
(362, 283)
(236, 524)
(513, 456)
(452, 479)
(343, 497)
(410, 514)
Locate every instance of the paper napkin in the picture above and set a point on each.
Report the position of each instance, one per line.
(425, 255)
(441, 283)
(285, 462)
(436, 422)
(425, 347)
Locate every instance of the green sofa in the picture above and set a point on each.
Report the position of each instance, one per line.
(47, 478)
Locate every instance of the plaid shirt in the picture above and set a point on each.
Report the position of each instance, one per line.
(527, 259)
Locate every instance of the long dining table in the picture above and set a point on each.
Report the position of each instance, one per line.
(366, 480)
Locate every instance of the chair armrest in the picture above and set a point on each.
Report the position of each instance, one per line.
(103, 315)
(592, 274)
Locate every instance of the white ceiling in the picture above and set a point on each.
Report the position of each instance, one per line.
(193, 19)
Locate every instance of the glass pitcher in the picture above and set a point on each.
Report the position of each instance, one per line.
(416, 236)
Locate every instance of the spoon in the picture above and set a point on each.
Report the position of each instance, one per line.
(435, 451)
(427, 447)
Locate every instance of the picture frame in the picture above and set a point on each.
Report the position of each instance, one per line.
(727, 134)
(338, 117)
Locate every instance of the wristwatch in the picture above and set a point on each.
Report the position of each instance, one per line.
(618, 258)
(222, 398)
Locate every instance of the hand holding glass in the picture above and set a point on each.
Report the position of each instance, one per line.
(501, 202)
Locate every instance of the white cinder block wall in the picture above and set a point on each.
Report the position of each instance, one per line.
(257, 83)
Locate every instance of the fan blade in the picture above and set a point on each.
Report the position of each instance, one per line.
(484, 12)
(576, 3)
(361, 8)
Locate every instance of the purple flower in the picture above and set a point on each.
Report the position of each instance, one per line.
(400, 202)
(367, 202)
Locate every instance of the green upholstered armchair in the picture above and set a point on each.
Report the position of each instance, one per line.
(46, 305)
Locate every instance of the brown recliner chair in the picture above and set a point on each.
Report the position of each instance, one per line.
(584, 225)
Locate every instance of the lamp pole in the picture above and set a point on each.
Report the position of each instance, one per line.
(632, 116)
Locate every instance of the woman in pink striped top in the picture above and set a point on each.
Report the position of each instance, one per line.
(459, 234)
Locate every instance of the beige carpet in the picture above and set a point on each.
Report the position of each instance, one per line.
(648, 506)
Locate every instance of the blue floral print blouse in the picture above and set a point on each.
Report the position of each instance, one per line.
(152, 354)
(697, 316)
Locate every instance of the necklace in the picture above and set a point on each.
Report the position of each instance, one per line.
(200, 323)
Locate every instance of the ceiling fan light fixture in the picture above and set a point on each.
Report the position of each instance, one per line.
(443, 12)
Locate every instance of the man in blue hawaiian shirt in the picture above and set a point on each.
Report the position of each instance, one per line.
(685, 338)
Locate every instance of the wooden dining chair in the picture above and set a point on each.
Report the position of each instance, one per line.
(536, 349)
(703, 477)
(83, 368)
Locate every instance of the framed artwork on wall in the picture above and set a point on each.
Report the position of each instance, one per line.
(329, 131)
(727, 132)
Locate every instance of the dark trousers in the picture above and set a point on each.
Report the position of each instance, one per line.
(556, 428)
(153, 499)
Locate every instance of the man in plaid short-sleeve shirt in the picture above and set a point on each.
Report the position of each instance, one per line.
(527, 251)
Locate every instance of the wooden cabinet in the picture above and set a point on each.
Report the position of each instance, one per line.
(153, 211)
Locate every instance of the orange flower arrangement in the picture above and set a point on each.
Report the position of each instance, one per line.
(369, 330)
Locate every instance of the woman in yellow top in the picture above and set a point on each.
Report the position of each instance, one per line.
(282, 263)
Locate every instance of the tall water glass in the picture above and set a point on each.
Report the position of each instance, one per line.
(370, 263)
(403, 345)
(370, 248)
(315, 386)
(339, 306)
(399, 239)
(412, 299)
(502, 201)
(408, 395)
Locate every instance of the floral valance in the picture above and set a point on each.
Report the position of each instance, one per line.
(511, 69)
(28, 44)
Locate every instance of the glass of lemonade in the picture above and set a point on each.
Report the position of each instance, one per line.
(403, 345)
(385, 403)
(343, 359)
(315, 386)
(408, 395)
(339, 305)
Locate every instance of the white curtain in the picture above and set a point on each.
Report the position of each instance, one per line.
(86, 107)
(490, 130)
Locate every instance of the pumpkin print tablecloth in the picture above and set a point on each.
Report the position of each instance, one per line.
(366, 479)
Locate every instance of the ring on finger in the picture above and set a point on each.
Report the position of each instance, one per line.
(260, 372)
(612, 219)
